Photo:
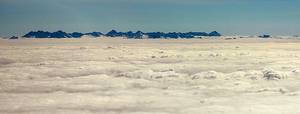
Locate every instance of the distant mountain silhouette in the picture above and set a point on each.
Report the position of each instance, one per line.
(265, 36)
(14, 37)
(214, 33)
(42, 34)
(37, 34)
(129, 34)
(59, 34)
(94, 34)
(76, 34)
(114, 33)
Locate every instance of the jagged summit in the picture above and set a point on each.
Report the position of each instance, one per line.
(94, 34)
(115, 33)
(59, 34)
(214, 33)
(37, 34)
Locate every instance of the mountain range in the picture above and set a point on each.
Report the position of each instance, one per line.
(114, 33)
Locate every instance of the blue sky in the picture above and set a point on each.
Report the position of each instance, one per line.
(230, 17)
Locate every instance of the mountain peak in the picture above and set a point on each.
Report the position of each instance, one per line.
(214, 33)
(114, 33)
